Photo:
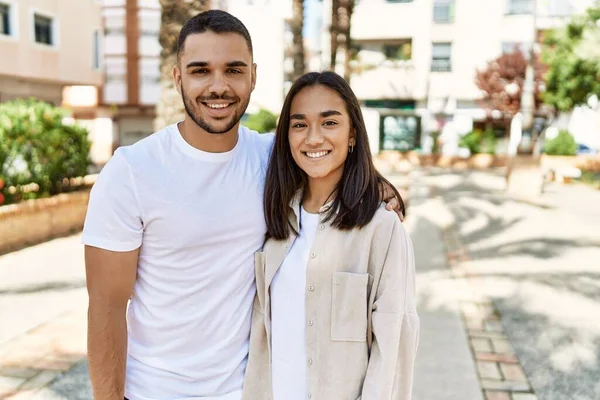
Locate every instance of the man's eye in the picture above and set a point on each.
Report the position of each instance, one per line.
(235, 71)
(199, 71)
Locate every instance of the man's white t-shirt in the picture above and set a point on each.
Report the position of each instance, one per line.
(288, 315)
(198, 218)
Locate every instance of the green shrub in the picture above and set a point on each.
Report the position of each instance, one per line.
(478, 141)
(562, 145)
(262, 122)
(38, 151)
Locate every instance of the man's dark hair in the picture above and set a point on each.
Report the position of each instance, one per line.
(216, 21)
(357, 196)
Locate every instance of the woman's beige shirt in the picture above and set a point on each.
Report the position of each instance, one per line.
(362, 328)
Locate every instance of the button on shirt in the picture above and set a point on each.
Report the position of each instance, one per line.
(289, 315)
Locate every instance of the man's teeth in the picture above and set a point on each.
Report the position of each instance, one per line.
(218, 105)
(318, 154)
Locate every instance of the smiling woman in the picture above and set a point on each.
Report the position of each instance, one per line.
(330, 243)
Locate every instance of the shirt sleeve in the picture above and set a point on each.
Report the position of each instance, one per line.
(114, 218)
(395, 324)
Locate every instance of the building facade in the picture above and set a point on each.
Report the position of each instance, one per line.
(44, 51)
(416, 59)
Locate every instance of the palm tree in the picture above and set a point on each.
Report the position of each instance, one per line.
(174, 14)
(297, 25)
(341, 21)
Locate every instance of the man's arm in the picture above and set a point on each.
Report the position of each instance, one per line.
(110, 279)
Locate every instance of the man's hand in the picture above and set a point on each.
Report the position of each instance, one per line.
(393, 203)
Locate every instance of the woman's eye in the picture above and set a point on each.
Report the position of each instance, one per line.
(298, 125)
(330, 123)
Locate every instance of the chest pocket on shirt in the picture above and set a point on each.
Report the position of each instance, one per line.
(349, 307)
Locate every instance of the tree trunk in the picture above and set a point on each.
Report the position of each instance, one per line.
(174, 14)
(334, 30)
(347, 9)
(297, 26)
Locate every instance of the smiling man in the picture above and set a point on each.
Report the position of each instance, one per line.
(173, 224)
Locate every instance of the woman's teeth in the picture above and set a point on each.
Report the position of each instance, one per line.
(317, 154)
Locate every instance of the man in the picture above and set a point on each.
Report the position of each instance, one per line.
(172, 225)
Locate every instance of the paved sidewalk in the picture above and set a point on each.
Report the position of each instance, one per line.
(445, 367)
(540, 263)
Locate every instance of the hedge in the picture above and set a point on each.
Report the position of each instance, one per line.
(39, 151)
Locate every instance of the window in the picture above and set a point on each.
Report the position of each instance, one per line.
(399, 1)
(4, 19)
(443, 11)
(441, 59)
(43, 29)
(520, 6)
(96, 50)
(401, 51)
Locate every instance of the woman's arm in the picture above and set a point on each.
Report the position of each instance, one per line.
(395, 324)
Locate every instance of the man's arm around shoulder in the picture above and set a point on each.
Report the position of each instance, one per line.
(110, 279)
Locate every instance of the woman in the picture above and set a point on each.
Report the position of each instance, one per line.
(334, 317)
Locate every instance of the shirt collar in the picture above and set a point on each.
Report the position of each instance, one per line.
(296, 203)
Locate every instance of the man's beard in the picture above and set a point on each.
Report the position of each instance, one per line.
(189, 107)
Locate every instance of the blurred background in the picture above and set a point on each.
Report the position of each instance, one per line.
(485, 113)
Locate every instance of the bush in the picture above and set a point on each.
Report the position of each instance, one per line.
(262, 122)
(562, 145)
(478, 141)
(38, 152)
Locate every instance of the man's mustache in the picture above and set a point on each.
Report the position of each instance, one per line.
(217, 97)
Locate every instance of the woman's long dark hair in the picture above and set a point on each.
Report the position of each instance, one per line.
(357, 195)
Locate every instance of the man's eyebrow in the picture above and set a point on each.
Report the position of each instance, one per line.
(197, 64)
(236, 64)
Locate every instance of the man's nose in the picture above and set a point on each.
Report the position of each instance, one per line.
(218, 84)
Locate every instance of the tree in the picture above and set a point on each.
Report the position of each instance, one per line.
(502, 82)
(297, 26)
(174, 14)
(341, 23)
(573, 58)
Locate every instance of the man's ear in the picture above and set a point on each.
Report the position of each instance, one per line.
(177, 78)
(253, 76)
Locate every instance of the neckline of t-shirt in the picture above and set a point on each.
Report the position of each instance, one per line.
(306, 216)
(191, 151)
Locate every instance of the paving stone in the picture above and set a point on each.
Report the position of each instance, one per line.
(524, 396)
(488, 370)
(505, 358)
(509, 386)
(493, 395)
(481, 345)
(502, 346)
(474, 323)
(486, 334)
(513, 372)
